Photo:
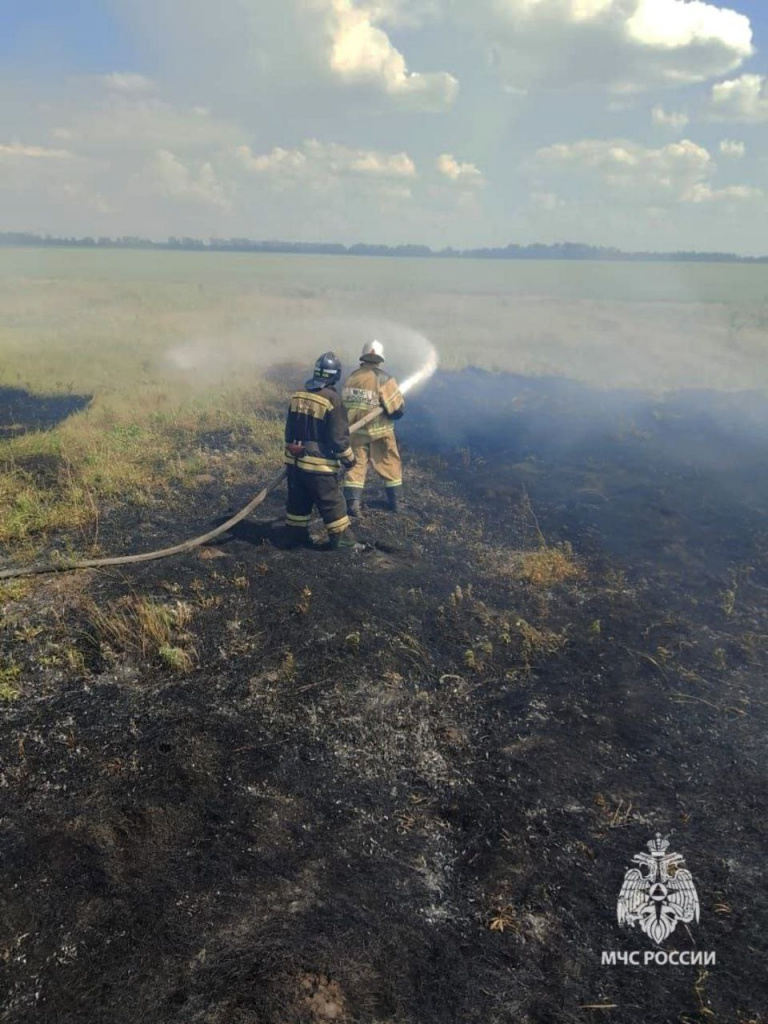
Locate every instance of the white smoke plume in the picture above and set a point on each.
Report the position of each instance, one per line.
(409, 354)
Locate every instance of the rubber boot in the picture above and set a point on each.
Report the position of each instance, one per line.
(394, 499)
(297, 537)
(352, 496)
(343, 541)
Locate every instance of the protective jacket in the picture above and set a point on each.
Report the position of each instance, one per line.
(369, 387)
(317, 432)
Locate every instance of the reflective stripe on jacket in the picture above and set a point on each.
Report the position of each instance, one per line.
(369, 388)
(317, 428)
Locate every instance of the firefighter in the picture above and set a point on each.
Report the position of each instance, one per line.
(316, 448)
(371, 387)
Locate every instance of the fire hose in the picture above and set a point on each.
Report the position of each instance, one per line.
(196, 542)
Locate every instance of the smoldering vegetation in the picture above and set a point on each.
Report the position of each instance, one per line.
(256, 785)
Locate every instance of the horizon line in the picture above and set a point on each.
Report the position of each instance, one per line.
(513, 250)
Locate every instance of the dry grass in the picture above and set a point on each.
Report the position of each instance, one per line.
(545, 567)
(537, 643)
(144, 629)
(145, 432)
(9, 675)
(504, 918)
(550, 565)
(14, 590)
(131, 461)
(613, 812)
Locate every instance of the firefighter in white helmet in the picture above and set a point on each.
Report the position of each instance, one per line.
(371, 387)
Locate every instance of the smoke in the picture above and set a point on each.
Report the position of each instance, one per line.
(252, 349)
(648, 327)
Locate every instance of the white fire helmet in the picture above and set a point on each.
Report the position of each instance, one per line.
(372, 350)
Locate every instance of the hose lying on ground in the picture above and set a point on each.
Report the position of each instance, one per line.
(178, 549)
(148, 556)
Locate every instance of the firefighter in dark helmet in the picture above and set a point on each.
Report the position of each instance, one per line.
(371, 387)
(316, 448)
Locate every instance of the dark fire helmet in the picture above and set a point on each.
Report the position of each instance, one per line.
(327, 371)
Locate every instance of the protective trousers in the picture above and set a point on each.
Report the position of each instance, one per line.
(384, 456)
(306, 490)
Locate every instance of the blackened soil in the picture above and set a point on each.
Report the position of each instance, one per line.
(404, 786)
(21, 411)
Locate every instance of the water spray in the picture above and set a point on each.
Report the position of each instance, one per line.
(421, 376)
(416, 379)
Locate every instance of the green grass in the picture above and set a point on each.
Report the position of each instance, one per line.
(143, 434)
(103, 458)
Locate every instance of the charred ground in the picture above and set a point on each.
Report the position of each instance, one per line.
(258, 785)
(21, 410)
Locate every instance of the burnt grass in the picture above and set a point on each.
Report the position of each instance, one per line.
(22, 411)
(403, 786)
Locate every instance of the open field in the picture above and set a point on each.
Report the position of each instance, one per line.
(261, 786)
(613, 324)
(166, 350)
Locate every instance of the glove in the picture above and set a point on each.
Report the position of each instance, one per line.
(348, 463)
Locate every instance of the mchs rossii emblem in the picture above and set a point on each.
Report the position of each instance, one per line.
(659, 893)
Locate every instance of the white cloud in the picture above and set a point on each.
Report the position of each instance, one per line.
(628, 45)
(737, 150)
(460, 173)
(135, 122)
(136, 163)
(395, 165)
(15, 152)
(406, 13)
(630, 173)
(332, 51)
(669, 119)
(325, 162)
(704, 193)
(741, 99)
(176, 180)
(211, 143)
(278, 161)
(360, 51)
(236, 46)
(130, 84)
(43, 181)
(622, 157)
(31, 168)
(678, 24)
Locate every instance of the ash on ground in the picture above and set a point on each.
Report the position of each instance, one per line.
(261, 786)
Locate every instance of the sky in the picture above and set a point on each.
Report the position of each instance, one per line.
(641, 124)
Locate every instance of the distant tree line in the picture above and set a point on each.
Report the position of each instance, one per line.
(560, 251)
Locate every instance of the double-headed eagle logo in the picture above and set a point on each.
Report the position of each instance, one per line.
(658, 894)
